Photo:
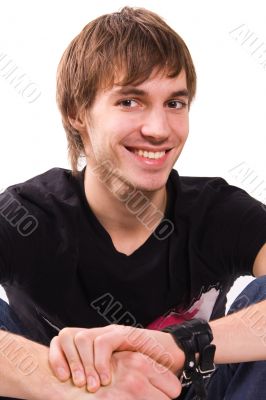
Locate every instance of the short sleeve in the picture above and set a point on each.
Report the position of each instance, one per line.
(23, 238)
(5, 250)
(232, 228)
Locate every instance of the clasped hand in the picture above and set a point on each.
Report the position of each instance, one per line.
(85, 355)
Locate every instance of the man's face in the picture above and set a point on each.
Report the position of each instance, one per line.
(140, 129)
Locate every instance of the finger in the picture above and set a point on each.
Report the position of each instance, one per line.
(58, 361)
(156, 394)
(84, 345)
(104, 346)
(165, 381)
(73, 359)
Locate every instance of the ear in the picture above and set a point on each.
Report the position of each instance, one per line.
(78, 122)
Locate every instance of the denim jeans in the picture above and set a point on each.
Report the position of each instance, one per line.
(243, 381)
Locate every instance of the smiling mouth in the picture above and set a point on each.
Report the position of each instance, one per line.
(152, 155)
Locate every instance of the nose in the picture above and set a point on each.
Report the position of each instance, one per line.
(156, 126)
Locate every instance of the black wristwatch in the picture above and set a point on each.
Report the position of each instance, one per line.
(194, 337)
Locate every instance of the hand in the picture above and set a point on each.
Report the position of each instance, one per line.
(136, 378)
(85, 354)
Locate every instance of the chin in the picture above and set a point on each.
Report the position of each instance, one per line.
(149, 185)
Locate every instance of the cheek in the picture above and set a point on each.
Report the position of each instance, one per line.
(181, 127)
(185, 129)
(120, 128)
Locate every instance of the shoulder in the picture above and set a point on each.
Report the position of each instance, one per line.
(213, 194)
(38, 221)
(55, 184)
(45, 196)
(197, 188)
(51, 181)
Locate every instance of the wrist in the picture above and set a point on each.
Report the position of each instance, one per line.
(41, 383)
(178, 355)
(195, 337)
(159, 346)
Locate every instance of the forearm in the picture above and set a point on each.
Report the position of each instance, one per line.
(25, 371)
(241, 336)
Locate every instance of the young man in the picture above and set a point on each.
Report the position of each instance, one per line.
(126, 240)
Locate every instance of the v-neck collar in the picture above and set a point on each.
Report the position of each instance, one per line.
(145, 248)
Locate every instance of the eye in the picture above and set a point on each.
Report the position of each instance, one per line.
(176, 104)
(128, 103)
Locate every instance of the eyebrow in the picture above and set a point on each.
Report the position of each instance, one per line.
(132, 90)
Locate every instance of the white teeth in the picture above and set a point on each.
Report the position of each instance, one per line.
(150, 154)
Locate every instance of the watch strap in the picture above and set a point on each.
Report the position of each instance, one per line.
(194, 337)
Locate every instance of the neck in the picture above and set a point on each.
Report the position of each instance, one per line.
(120, 207)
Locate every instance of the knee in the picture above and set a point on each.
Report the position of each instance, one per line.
(4, 307)
(4, 313)
(254, 292)
(3, 303)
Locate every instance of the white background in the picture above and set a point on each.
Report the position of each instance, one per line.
(228, 118)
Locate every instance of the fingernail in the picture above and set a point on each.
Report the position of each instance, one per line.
(104, 379)
(92, 382)
(62, 373)
(78, 377)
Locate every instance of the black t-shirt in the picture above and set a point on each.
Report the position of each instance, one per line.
(60, 268)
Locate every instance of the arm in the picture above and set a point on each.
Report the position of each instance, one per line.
(242, 336)
(238, 337)
(24, 369)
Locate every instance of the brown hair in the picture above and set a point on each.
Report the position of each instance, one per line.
(133, 42)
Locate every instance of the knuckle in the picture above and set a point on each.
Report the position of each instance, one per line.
(140, 361)
(176, 385)
(54, 341)
(99, 365)
(55, 363)
(119, 329)
(74, 365)
(99, 341)
(89, 370)
(82, 337)
(176, 390)
(64, 331)
(173, 383)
